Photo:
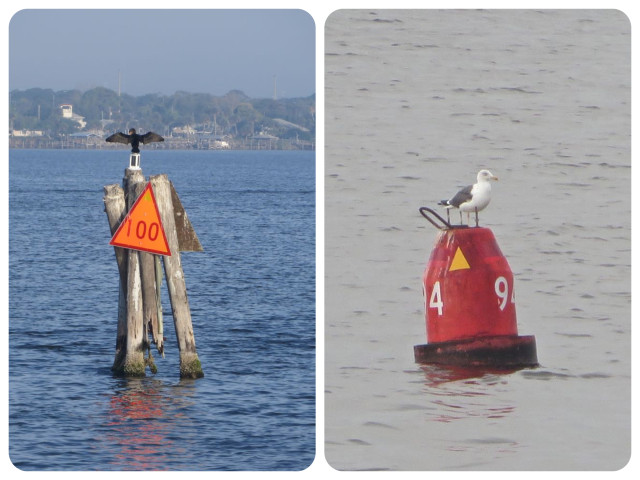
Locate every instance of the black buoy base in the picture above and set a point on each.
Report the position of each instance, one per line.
(498, 351)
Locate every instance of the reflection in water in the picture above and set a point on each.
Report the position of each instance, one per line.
(469, 393)
(461, 392)
(140, 420)
(438, 374)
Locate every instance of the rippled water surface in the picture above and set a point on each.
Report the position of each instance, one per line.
(252, 299)
(416, 103)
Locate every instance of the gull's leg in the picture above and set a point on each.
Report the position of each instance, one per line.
(460, 211)
(476, 216)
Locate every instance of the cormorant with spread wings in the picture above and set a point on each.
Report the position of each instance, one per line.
(134, 139)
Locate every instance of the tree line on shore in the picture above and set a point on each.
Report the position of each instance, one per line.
(100, 110)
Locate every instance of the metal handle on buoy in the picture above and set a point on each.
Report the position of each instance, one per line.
(446, 225)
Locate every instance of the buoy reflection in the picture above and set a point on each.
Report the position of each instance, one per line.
(438, 374)
(465, 392)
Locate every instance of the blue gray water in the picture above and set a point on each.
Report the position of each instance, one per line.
(252, 298)
(416, 103)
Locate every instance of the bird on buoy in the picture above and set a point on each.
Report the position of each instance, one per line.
(472, 198)
(134, 139)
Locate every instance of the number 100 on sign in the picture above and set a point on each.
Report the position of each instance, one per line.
(141, 231)
(142, 228)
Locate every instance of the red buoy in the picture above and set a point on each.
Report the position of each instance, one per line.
(470, 304)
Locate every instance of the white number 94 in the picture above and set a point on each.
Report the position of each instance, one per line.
(502, 291)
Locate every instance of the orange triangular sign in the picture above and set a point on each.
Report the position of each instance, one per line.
(142, 228)
(459, 262)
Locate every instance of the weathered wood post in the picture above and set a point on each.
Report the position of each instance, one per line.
(115, 206)
(139, 304)
(190, 366)
(150, 297)
(131, 339)
(134, 364)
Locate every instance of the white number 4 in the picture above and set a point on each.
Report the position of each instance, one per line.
(435, 301)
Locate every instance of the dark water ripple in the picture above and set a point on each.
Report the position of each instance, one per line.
(252, 299)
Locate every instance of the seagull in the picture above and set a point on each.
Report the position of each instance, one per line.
(134, 139)
(472, 198)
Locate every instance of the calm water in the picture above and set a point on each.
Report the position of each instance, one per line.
(252, 298)
(416, 103)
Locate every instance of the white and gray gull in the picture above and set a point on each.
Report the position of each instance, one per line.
(472, 198)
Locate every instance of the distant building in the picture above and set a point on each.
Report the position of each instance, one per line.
(27, 133)
(263, 141)
(263, 136)
(220, 145)
(287, 124)
(67, 112)
(184, 130)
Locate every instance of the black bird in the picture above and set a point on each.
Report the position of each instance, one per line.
(134, 139)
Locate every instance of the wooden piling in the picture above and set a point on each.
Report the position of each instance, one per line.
(187, 238)
(150, 298)
(190, 366)
(149, 294)
(139, 305)
(160, 328)
(134, 363)
(115, 207)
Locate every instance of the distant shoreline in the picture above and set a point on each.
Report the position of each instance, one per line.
(175, 143)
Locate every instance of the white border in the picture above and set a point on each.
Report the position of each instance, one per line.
(320, 11)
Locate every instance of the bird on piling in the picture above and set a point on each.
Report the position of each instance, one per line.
(472, 198)
(134, 139)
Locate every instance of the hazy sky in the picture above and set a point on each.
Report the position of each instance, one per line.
(163, 51)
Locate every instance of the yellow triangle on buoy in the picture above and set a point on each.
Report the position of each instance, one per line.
(459, 262)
